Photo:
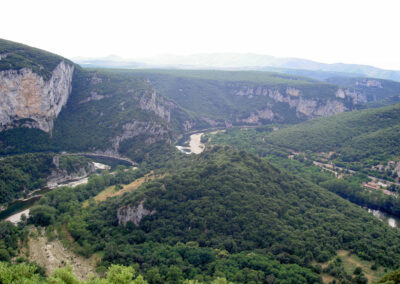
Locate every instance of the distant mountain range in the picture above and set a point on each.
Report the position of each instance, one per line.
(234, 61)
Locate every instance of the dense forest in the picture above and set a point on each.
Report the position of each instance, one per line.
(20, 174)
(257, 141)
(224, 213)
(355, 135)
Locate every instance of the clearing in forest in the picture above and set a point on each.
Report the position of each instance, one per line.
(350, 262)
(112, 191)
(52, 255)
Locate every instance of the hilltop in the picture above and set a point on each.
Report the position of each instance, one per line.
(224, 213)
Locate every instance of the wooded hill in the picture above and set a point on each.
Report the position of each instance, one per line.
(225, 213)
(371, 133)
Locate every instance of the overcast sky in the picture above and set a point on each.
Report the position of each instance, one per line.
(351, 31)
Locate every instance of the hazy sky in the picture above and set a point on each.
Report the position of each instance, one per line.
(351, 31)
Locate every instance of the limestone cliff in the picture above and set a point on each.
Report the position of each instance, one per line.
(357, 97)
(61, 175)
(152, 131)
(27, 100)
(303, 106)
(133, 214)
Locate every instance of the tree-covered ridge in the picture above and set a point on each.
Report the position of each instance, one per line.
(349, 186)
(234, 76)
(226, 213)
(20, 174)
(16, 56)
(355, 135)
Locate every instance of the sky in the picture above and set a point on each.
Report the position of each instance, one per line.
(351, 31)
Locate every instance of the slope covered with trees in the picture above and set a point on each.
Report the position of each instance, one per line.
(227, 213)
(20, 174)
(355, 135)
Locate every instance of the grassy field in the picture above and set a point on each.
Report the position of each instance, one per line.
(350, 263)
(112, 191)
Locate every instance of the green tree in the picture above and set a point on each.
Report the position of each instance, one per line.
(174, 275)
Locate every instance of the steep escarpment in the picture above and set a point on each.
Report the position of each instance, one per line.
(116, 113)
(220, 98)
(365, 90)
(28, 100)
(296, 101)
(68, 168)
(34, 86)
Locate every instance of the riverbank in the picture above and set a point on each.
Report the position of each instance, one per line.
(195, 145)
(21, 206)
(16, 218)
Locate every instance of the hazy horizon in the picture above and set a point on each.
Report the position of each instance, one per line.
(355, 32)
(117, 57)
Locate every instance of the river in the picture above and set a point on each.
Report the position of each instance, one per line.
(195, 145)
(21, 206)
(391, 220)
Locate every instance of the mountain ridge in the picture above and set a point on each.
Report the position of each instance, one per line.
(241, 60)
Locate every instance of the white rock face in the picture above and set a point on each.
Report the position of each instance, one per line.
(309, 107)
(356, 96)
(152, 130)
(133, 214)
(293, 92)
(25, 95)
(304, 107)
(259, 114)
(370, 83)
(59, 176)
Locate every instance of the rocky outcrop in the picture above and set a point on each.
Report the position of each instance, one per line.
(293, 92)
(210, 121)
(310, 107)
(59, 175)
(26, 99)
(369, 83)
(187, 125)
(151, 102)
(255, 117)
(133, 214)
(356, 97)
(152, 130)
(293, 97)
(94, 96)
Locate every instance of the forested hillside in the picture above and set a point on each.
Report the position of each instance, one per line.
(355, 135)
(229, 214)
(20, 174)
(357, 150)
